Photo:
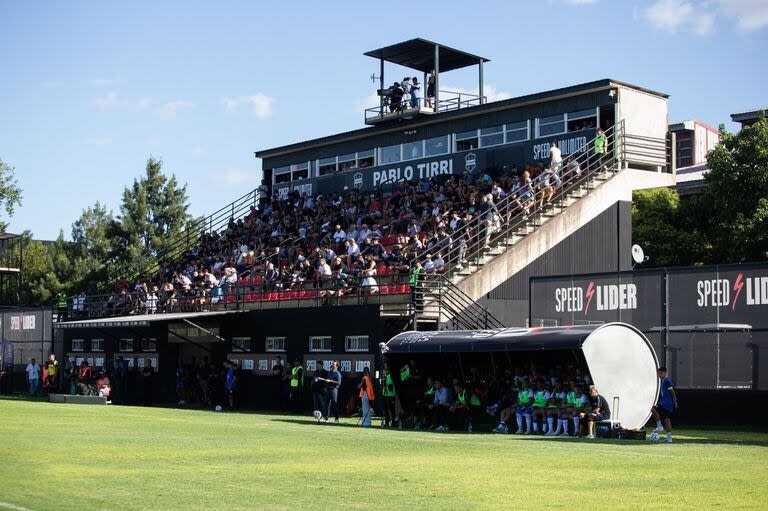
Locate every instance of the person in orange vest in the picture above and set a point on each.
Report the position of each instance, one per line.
(367, 396)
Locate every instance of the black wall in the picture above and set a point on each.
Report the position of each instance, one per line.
(602, 245)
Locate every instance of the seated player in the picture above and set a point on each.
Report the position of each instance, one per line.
(523, 409)
(579, 406)
(539, 408)
(506, 406)
(423, 405)
(556, 400)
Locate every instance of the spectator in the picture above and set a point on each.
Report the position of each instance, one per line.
(440, 406)
(65, 382)
(103, 385)
(431, 89)
(32, 373)
(415, 93)
(85, 380)
(320, 392)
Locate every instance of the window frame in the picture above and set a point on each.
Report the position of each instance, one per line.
(381, 154)
(446, 139)
(527, 130)
(564, 121)
(329, 339)
(456, 140)
(100, 348)
(357, 338)
(121, 349)
(241, 341)
(481, 135)
(269, 349)
(82, 345)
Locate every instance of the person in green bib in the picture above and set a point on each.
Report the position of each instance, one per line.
(423, 405)
(601, 148)
(578, 404)
(411, 388)
(524, 408)
(539, 409)
(390, 396)
(296, 385)
(553, 410)
(462, 410)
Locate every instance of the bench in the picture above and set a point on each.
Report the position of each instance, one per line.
(82, 400)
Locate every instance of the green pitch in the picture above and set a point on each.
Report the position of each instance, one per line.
(60, 457)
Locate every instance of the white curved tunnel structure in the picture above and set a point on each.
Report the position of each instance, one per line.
(619, 357)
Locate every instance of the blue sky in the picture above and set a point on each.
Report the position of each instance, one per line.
(90, 89)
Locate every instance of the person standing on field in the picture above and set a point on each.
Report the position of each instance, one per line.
(667, 405)
(33, 377)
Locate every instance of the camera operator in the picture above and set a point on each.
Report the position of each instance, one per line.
(395, 96)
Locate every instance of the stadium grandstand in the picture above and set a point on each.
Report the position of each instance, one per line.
(436, 216)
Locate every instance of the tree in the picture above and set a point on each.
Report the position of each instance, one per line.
(10, 193)
(92, 248)
(153, 212)
(737, 194)
(666, 227)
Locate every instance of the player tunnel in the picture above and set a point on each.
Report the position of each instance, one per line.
(619, 358)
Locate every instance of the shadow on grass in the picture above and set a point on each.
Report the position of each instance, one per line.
(698, 437)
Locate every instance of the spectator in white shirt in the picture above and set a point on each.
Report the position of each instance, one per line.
(324, 269)
(556, 162)
(438, 263)
(339, 236)
(353, 251)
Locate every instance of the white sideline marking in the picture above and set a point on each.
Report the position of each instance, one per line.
(13, 507)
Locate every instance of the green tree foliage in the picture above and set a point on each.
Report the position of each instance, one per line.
(726, 223)
(737, 194)
(10, 193)
(152, 213)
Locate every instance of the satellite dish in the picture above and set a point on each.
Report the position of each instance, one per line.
(637, 254)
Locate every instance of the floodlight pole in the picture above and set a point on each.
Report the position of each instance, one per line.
(480, 80)
(437, 77)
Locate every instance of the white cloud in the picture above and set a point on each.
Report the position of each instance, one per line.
(98, 141)
(259, 102)
(674, 15)
(370, 101)
(235, 177)
(749, 14)
(143, 104)
(106, 102)
(489, 91)
(171, 109)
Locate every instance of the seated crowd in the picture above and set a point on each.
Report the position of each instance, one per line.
(559, 402)
(338, 244)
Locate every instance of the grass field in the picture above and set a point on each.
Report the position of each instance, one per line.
(57, 457)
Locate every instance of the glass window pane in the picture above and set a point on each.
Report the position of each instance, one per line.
(299, 166)
(466, 135)
(466, 144)
(489, 140)
(413, 150)
(551, 119)
(300, 174)
(347, 157)
(281, 170)
(390, 154)
(327, 166)
(488, 131)
(436, 146)
(366, 158)
(282, 178)
(551, 129)
(517, 136)
(581, 114)
(522, 125)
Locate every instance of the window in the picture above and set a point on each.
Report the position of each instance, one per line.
(282, 174)
(97, 345)
(300, 171)
(582, 120)
(516, 132)
(78, 345)
(492, 136)
(466, 141)
(684, 149)
(327, 166)
(320, 343)
(390, 154)
(347, 162)
(275, 344)
(149, 344)
(241, 344)
(126, 344)
(413, 150)
(366, 158)
(436, 146)
(551, 125)
(356, 343)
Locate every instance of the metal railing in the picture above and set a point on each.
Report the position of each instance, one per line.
(438, 299)
(186, 240)
(392, 290)
(405, 107)
(516, 214)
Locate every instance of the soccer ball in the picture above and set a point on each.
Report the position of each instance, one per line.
(317, 414)
(653, 437)
(218, 409)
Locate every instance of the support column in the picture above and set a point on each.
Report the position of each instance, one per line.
(480, 81)
(437, 77)
(381, 86)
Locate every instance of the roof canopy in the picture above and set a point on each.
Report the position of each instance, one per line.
(419, 54)
(140, 319)
(508, 339)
